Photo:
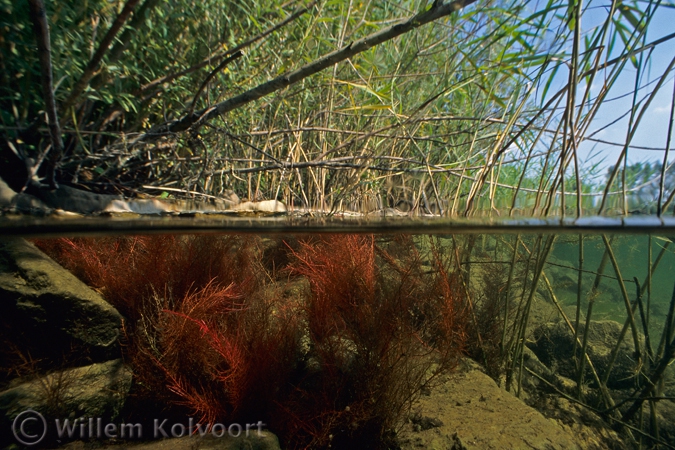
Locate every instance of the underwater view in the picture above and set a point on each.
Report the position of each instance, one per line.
(339, 340)
(332, 224)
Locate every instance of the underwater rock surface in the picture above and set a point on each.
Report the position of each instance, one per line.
(47, 311)
(554, 346)
(473, 413)
(97, 390)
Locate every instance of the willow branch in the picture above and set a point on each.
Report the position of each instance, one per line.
(41, 30)
(93, 64)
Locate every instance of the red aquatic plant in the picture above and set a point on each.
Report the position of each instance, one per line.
(212, 327)
(203, 331)
(130, 270)
(225, 356)
(199, 352)
(376, 324)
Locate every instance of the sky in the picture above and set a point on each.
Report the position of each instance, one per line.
(652, 131)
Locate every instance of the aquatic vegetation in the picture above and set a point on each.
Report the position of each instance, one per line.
(213, 328)
(193, 310)
(129, 270)
(380, 330)
(329, 339)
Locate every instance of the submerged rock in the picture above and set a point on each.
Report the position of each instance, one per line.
(469, 411)
(94, 391)
(47, 312)
(554, 346)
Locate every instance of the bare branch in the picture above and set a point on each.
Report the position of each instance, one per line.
(93, 64)
(41, 30)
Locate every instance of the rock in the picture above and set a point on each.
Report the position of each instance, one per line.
(269, 206)
(69, 199)
(76, 200)
(21, 203)
(387, 212)
(48, 312)
(665, 416)
(263, 441)
(472, 412)
(7, 194)
(94, 391)
(83, 202)
(424, 422)
(228, 200)
(554, 346)
(143, 206)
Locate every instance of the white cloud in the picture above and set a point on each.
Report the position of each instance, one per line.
(662, 109)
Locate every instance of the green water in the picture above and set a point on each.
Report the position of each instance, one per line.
(632, 253)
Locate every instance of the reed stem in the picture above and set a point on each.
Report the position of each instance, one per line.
(629, 311)
(591, 300)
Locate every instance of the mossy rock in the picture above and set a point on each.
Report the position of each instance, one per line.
(46, 312)
(554, 346)
(94, 391)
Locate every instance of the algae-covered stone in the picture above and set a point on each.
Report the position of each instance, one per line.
(472, 413)
(94, 391)
(554, 346)
(47, 311)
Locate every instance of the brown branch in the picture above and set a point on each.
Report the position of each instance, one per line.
(437, 11)
(41, 30)
(93, 64)
(213, 73)
(214, 58)
(137, 23)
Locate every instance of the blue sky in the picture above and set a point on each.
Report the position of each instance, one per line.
(652, 131)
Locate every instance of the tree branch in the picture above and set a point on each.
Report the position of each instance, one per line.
(41, 30)
(213, 73)
(93, 64)
(212, 59)
(137, 23)
(437, 11)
